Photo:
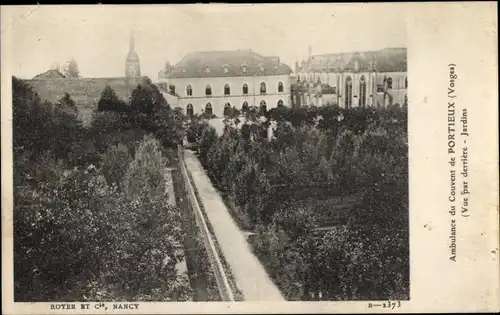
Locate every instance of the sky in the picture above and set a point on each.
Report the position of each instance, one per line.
(98, 36)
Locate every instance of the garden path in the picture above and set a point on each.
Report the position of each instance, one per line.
(250, 276)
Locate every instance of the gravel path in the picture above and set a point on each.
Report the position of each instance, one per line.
(250, 276)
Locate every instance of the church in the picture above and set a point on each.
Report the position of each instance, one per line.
(86, 92)
(132, 64)
(365, 78)
(211, 82)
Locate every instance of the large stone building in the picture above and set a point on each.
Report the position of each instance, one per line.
(210, 82)
(371, 78)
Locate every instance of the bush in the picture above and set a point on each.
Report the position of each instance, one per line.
(147, 168)
(78, 238)
(278, 186)
(207, 139)
(115, 162)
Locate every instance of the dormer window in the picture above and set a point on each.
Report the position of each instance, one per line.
(244, 69)
(226, 68)
(207, 70)
(261, 67)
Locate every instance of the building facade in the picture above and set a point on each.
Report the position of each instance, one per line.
(373, 78)
(212, 82)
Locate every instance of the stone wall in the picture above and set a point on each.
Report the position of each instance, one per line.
(86, 92)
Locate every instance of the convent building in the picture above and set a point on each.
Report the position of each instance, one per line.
(369, 78)
(213, 81)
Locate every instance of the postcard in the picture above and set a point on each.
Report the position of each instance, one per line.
(250, 158)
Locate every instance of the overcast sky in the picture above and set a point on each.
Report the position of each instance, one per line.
(98, 36)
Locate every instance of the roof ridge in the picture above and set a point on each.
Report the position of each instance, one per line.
(361, 51)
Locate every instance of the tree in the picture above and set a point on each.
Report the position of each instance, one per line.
(146, 98)
(72, 70)
(39, 126)
(110, 102)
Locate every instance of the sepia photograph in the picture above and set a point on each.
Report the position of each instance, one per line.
(217, 153)
(150, 168)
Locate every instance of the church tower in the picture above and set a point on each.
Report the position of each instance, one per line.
(132, 65)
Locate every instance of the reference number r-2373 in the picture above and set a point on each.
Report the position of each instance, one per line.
(387, 305)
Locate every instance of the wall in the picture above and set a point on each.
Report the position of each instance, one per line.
(86, 92)
(236, 97)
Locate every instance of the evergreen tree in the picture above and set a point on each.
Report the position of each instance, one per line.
(110, 102)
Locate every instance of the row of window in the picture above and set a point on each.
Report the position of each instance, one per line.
(387, 82)
(244, 107)
(244, 68)
(227, 89)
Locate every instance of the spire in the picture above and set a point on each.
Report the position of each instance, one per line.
(341, 62)
(131, 44)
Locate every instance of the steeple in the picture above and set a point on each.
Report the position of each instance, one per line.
(132, 64)
(131, 44)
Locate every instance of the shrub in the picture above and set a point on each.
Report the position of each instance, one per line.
(146, 170)
(115, 162)
(207, 139)
(279, 185)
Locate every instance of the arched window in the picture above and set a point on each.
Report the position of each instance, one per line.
(389, 83)
(406, 82)
(227, 89)
(189, 90)
(362, 91)
(172, 89)
(208, 109)
(227, 109)
(348, 92)
(208, 90)
(263, 108)
(280, 87)
(280, 103)
(244, 107)
(189, 110)
(245, 88)
(262, 88)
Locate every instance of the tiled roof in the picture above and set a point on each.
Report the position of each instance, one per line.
(50, 74)
(385, 60)
(227, 63)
